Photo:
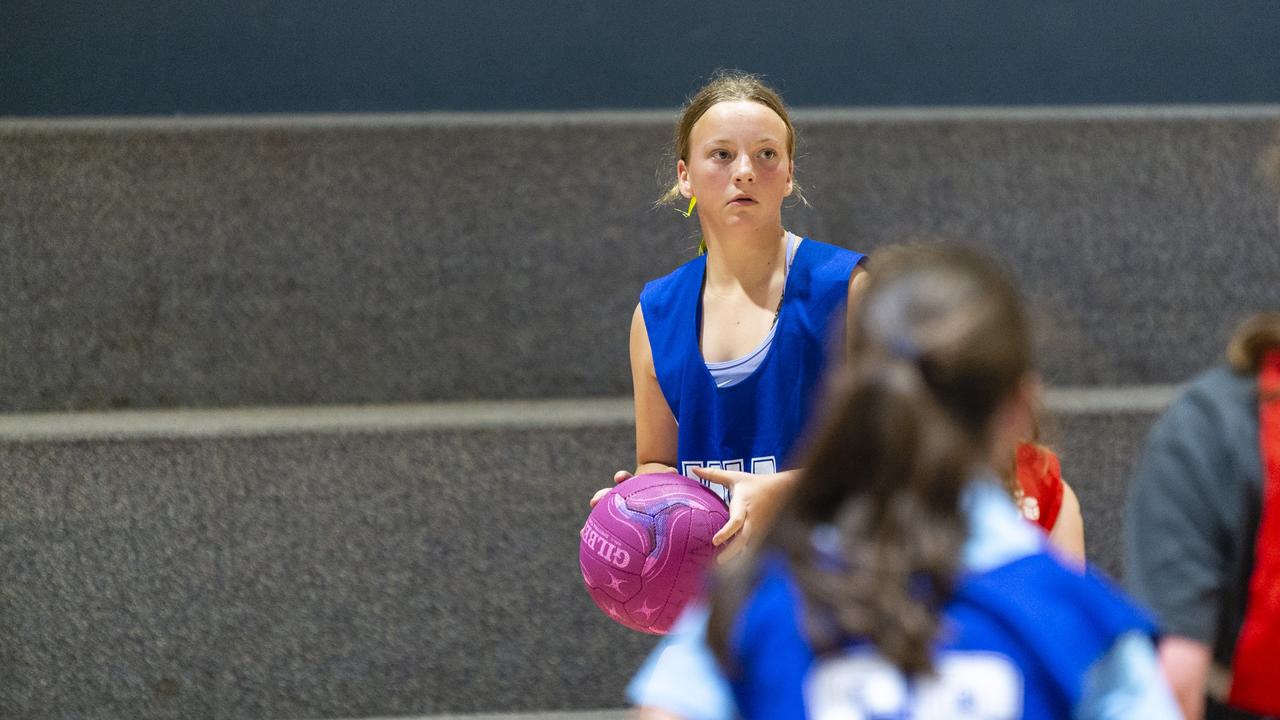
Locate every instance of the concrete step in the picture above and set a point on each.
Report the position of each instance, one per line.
(347, 562)
(304, 573)
(301, 260)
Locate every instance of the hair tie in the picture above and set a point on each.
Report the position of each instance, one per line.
(903, 348)
(692, 201)
(825, 541)
(920, 588)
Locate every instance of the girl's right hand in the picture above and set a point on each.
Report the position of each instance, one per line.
(618, 477)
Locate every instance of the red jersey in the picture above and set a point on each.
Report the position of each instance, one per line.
(1040, 490)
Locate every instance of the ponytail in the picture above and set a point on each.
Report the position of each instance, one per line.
(872, 535)
(897, 535)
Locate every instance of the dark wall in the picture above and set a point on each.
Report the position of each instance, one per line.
(60, 57)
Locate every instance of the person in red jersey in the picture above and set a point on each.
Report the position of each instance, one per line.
(1046, 499)
(1202, 532)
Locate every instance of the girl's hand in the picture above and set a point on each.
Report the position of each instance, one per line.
(755, 500)
(620, 476)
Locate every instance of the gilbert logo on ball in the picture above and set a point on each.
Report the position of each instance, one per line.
(646, 546)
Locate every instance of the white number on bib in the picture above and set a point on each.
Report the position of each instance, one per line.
(759, 466)
(864, 686)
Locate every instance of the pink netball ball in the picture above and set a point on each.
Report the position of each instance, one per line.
(646, 546)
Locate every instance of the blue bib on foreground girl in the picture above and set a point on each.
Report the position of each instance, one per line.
(1022, 637)
(750, 426)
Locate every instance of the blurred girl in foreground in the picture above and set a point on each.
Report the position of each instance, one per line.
(900, 581)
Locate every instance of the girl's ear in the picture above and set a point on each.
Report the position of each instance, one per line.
(682, 179)
(791, 174)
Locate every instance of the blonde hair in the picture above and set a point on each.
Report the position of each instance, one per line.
(1252, 339)
(727, 86)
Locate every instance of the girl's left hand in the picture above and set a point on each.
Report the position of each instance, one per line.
(754, 501)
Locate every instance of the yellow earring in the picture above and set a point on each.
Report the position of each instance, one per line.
(692, 201)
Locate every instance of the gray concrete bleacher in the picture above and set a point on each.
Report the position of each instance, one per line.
(210, 510)
(306, 574)
(302, 261)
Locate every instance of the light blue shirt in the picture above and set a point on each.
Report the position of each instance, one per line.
(682, 677)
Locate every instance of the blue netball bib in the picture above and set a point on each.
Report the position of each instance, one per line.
(1015, 642)
(754, 425)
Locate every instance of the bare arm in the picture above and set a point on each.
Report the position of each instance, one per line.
(857, 286)
(656, 429)
(1068, 530)
(650, 713)
(1186, 665)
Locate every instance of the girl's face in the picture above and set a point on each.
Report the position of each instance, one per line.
(738, 166)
